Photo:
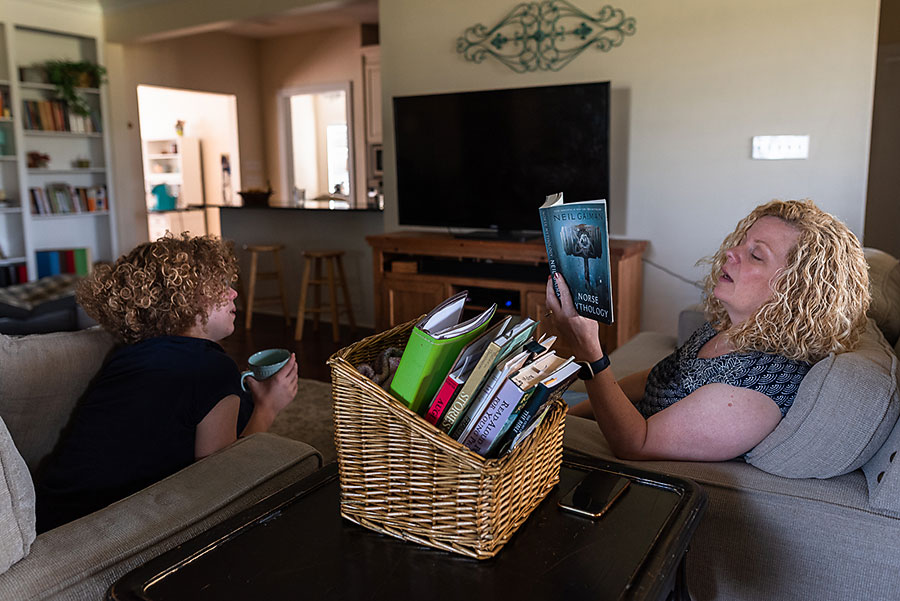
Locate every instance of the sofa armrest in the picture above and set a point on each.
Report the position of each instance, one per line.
(641, 353)
(83, 558)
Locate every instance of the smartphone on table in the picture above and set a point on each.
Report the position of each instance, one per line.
(594, 494)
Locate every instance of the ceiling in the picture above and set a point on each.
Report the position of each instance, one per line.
(306, 19)
(324, 15)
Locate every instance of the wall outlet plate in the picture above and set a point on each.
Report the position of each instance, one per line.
(780, 147)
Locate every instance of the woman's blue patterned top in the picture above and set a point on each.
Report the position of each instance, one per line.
(682, 372)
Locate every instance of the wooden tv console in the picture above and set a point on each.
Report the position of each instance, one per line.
(414, 271)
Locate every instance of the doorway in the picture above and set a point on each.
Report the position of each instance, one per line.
(882, 206)
(189, 146)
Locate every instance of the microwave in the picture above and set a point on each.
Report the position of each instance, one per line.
(376, 160)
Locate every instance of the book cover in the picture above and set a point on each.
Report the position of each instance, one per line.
(503, 345)
(577, 239)
(461, 370)
(433, 346)
(500, 373)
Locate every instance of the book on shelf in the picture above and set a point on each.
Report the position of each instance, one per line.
(11, 275)
(490, 425)
(60, 198)
(505, 343)
(434, 344)
(56, 115)
(499, 374)
(55, 261)
(48, 263)
(530, 407)
(5, 104)
(462, 369)
(576, 235)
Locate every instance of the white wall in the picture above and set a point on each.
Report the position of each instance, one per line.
(689, 90)
(215, 62)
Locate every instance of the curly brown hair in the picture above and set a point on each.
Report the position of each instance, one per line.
(160, 288)
(819, 300)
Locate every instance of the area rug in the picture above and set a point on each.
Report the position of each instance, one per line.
(308, 418)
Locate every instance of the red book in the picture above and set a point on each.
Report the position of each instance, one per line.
(442, 399)
(67, 261)
(22, 273)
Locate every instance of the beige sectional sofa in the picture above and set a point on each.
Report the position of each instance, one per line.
(41, 378)
(814, 512)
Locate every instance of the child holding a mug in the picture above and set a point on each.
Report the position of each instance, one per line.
(169, 395)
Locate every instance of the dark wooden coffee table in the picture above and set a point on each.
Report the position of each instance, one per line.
(295, 544)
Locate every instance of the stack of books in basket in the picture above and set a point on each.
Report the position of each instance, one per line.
(466, 441)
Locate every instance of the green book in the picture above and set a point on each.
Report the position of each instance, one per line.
(434, 344)
(82, 261)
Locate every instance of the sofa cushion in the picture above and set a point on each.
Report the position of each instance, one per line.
(884, 282)
(846, 407)
(16, 503)
(41, 378)
(767, 537)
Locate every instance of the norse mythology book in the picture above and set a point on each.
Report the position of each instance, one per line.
(577, 239)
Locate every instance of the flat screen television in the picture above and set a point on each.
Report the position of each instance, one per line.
(485, 160)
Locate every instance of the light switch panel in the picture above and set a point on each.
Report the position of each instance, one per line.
(780, 147)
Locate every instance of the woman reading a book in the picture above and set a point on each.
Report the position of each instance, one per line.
(787, 287)
(170, 394)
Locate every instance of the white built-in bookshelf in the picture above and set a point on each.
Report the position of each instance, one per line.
(78, 149)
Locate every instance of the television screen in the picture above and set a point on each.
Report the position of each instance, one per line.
(486, 160)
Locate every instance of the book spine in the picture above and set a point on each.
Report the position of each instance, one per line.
(551, 248)
(477, 407)
(68, 261)
(43, 263)
(494, 417)
(529, 411)
(82, 264)
(444, 395)
(469, 389)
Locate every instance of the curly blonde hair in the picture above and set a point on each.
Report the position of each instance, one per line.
(819, 300)
(160, 288)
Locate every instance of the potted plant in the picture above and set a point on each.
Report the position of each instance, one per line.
(68, 76)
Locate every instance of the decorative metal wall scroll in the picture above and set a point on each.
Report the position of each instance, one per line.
(545, 35)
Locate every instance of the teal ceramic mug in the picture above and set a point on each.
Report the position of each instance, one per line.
(265, 364)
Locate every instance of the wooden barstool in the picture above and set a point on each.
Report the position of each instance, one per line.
(255, 274)
(312, 275)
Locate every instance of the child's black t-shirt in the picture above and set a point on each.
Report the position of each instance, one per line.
(135, 425)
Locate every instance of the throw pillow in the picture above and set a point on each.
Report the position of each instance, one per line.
(16, 503)
(846, 407)
(41, 378)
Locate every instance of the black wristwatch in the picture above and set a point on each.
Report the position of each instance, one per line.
(589, 370)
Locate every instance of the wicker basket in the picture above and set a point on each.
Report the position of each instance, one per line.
(403, 477)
